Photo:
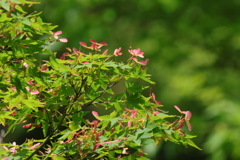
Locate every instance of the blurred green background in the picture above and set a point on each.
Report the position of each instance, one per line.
(193, 47)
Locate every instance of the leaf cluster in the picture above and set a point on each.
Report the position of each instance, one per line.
(54, 94)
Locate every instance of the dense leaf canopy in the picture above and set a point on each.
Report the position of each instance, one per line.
(193, 47)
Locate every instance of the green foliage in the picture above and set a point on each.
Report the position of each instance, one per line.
(53, 95)
(194, 51)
